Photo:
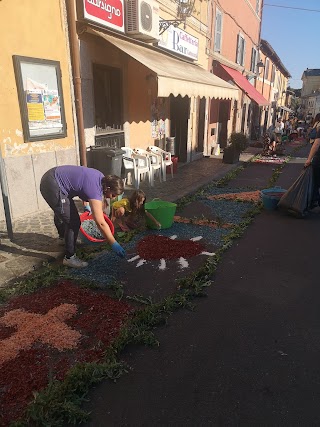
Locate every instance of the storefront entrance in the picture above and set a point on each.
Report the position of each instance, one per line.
(224, 116)
(179, 114)
(201, 125)
(107, 96)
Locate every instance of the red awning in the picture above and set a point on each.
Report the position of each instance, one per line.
(246, 86)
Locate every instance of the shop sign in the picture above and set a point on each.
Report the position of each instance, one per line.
(178, 41)
(108, 13)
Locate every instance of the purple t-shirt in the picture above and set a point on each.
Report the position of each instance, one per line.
(79, 181)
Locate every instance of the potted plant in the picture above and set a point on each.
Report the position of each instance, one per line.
(238, 142)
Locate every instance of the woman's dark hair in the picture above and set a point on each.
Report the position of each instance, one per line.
(316, 119)
(112, 184)
(137, 195)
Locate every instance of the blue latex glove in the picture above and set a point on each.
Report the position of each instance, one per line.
(118, 249)
(87, 209)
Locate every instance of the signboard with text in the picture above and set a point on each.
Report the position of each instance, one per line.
(107, 13)
(178, 41)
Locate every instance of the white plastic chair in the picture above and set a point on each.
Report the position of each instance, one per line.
(154, 163)
(165, 160)
(137, 165)
(128, 164)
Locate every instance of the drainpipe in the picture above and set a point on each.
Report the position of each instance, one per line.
(75, 61)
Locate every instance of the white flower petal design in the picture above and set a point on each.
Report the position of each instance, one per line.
(141, 262)
(183, 263)
(173, 237)
(134, 258)
(208, 253)
(195, 239)
(163, 264)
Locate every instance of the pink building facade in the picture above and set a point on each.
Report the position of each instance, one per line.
(233, 48)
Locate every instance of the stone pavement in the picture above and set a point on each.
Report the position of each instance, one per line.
(35, 240)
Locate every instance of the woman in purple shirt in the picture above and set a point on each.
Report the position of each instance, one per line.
(59, 185)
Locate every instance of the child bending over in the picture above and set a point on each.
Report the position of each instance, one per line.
(126, 212)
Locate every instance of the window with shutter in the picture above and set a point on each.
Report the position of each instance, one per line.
(273, 73)
(240, 50)
(218, 31)
(253, 64)
(266, 70)
(257, 6)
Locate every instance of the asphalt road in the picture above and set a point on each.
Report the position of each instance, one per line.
(249, 353)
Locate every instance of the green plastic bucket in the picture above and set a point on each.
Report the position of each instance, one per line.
(162, 211)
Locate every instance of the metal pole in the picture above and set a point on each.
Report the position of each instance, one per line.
(5, 198)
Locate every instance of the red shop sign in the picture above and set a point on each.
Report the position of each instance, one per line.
(108, 13)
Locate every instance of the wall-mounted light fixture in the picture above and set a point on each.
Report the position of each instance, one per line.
(260, 64)
(184, 10)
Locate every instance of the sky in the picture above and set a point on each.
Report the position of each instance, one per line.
(293, 34)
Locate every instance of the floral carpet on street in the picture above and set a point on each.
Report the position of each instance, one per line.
(47, 332)
(270, 159)
(44, 334)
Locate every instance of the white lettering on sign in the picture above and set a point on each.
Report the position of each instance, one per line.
(179, 41)
(104, 6)
(108, 13)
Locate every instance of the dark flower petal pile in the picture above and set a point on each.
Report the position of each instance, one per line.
(98, 319)
(161, 247)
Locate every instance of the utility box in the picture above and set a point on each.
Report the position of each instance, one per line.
(107, 160)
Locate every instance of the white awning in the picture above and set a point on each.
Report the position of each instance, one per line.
(175, 76)
(286, 109)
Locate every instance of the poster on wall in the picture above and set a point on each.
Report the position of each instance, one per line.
(35, 106)
(158, 113)
(43, 107)
(52, 106)
(40, 98)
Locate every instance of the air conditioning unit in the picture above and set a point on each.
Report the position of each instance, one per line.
(142, 19)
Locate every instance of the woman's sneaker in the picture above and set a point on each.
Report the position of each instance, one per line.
(74, 262)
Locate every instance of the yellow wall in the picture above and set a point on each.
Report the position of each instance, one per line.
(32, 28)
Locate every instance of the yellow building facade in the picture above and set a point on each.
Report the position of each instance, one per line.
(37, 129)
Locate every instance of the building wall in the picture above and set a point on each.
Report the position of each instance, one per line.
(238, 18)
(263, 83)
(139, 91)
(317, 106)
(140, 84)
(196, 25)
(273, 90)
(309, 84)
(36, 31)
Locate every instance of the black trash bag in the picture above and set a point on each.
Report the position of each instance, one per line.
(299, 198)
